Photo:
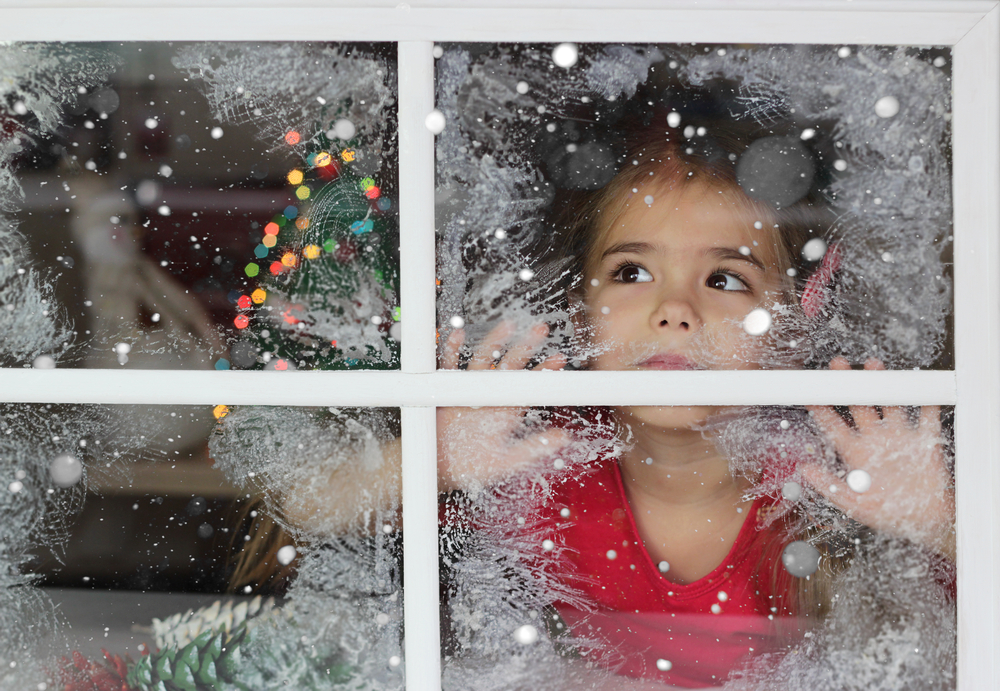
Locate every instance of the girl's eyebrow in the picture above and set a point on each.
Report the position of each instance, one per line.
(734, 254)
(628, 248)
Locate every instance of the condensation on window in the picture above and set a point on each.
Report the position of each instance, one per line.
(668, 207)
(835, 161)
(199, 206)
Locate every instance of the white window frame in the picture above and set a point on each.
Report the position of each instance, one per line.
(971, 28)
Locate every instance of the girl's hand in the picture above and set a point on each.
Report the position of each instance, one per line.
(911, 493)
(479, 446)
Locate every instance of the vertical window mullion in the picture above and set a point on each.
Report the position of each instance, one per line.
(977, 344)
(417, 312)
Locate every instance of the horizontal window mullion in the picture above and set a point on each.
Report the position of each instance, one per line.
(938, 23)
(494, 388)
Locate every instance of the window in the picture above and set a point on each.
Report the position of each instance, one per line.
(969, 30)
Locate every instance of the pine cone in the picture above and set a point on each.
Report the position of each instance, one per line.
(208, 663)
(81, 674)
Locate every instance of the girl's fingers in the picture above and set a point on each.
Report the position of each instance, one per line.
(517, 357)
(840, 363)
(930, 420)
(864, 416)
(452, 346)
(492, 347)
(831, 424)
(896, 416)
(543, 444)
(832, 487)
(553, 362)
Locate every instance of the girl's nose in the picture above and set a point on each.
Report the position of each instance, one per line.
(675, 315)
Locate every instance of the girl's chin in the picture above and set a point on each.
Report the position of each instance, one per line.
(672, 418)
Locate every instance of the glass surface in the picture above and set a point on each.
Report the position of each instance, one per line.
(262, 545)
(694, 206)
(203, 205)
(749, 548)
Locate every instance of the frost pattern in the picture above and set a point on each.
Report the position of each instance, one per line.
(282, 87)
(344, 610)
(36, 80)
(891, 198)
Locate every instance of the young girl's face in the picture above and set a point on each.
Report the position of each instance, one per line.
(670, 283)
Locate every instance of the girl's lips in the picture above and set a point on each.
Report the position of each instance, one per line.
(669, 361)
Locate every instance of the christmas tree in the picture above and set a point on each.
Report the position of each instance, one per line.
(321, 290)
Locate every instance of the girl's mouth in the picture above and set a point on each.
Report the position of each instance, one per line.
(668, 361)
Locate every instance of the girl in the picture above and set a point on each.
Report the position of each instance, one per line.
(677, 571)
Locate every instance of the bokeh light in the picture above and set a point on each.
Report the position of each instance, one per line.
(289, 259)
(303, 192)
(269, 241)
(251, 270)
(220, 411)
(310, 251)
(258, 296)
(293, 138)
(241, 321)
(272, 228)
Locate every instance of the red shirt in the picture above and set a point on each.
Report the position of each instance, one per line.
(642, 624)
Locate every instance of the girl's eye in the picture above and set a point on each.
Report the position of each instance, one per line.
(630, 273)
(725, 281)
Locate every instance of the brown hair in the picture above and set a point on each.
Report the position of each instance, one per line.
(253, 553)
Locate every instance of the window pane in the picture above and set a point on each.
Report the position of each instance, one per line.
(760, 548)
(205, 205)
(278, 527)
(695, 206)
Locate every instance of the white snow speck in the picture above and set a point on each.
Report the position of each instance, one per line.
(648, 199)
(887, 257)
(612, 554)
(65, 470)
(216, 133)
(807, 133)
(395, 660)
(15, 487)
(800, 559)
(522, 87)
(152, 123)
(722, 595)
(500, 234)
(689, 131)
(344, 129)
(674, 119)
(744, 250)
(605, 310)
(859, 481)
(814, 250)
(664, 665)
(526, 635)
(791, 491)
(166, 171)
(123, 348)
(163, 210)
(784, 424)
(456, 322)
(548, 545)
(20, 108)
(44, 362)
(716, 609)
(844, 52)
(286, 555)
(565, 55)
(663, 566)
(435, 121)
(381, 618)
(939, 61)
(840, 164)
(886, 107)
(526, 275)
(564, 512)
(758, 322)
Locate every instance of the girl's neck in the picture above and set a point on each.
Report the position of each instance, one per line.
(678, 467)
